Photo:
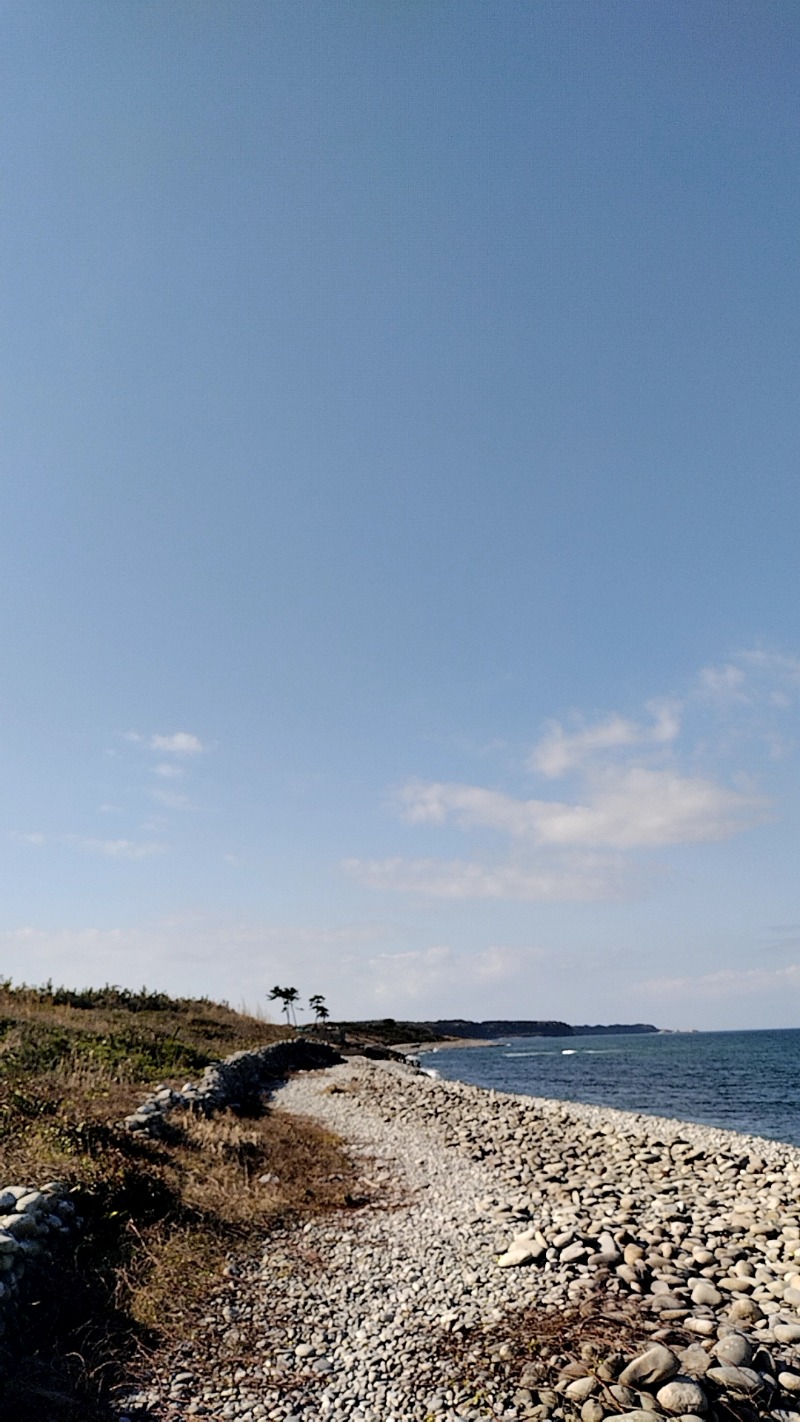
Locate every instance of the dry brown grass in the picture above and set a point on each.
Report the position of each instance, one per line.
(161, 1216)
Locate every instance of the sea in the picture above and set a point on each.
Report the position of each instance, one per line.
(743, 1081)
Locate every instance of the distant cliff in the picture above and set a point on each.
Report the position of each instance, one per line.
(615, 1029)
(504, 1027)
(462, 1027)
(391, 1032)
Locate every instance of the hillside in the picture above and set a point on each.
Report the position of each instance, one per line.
(390, 1032)
(161, 1218)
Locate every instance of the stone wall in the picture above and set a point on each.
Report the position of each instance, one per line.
(32, 1220)
(239, 1079)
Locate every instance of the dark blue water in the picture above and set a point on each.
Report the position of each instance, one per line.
(744, 1081)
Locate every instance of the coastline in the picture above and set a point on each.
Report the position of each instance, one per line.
(484, 1216)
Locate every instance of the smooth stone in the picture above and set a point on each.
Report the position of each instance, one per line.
(667, 1302)
(705, 1293)
(625, 1396)
(682, 1395)
(592, 1410)
(519, 1254)
(743, 1380)
(745, 1310)
(787, 1332)
(703, 1326)
(734, 1349)
(656, 1365)
(580, 1388)
(573, 1253)
(790, 1382)
(694, 1360)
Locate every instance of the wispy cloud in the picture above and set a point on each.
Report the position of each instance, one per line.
(577, 878)
(179, 743)
(727, 982)
(637, 784)
(414, 976)
(170, 799)
(559, 751)
(752, 676)
(108, 848)
(116, 848)
(624, 809)
(168, 770)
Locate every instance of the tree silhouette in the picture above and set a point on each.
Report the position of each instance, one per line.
(317, 1005)
(288, 996)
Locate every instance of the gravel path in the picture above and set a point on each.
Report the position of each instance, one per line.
(349, 1318)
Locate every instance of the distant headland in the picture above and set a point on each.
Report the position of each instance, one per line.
(389, 1031)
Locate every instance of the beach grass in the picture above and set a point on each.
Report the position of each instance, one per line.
(160, 1218)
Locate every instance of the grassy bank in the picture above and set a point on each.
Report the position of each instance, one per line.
(161, 1217)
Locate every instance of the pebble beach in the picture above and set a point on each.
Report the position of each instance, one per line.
(509, 1257)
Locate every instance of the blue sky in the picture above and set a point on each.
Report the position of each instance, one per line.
(399, 517)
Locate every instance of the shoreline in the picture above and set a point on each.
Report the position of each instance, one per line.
(638, 1114)
(480, 1212)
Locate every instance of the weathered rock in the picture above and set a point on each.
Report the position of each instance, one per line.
(694, 1360)
(745, 1310)
(655, 1366)
(682, 1394)
(581, 1388)
(733, 1379)
(735, 1349)
(592, 1410)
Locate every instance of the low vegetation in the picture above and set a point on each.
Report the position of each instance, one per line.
(161, 1217)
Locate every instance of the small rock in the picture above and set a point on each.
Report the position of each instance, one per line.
(573, 1253)
(655, 1366)
(702, 1326)
(735, 1349)
(625, 1396)
(592, 1410)
(580, 1388)
(681, 1395)
(694, 1360)
(742, 1380)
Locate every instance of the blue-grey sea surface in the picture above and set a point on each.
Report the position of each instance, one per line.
(743, 1081)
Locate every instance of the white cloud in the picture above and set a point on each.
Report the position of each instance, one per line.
(560, 750)
(638, 789)
(752, 677)
(170, 799)
(109, 848)
(727, 982)
(725, 683)
(575, 878)
(624, 809)
(363, 969)
(168, 771)
(411, 978)
(179, 743)
(116, 848)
